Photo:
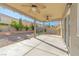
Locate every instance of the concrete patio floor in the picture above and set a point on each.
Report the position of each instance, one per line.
(35, 47)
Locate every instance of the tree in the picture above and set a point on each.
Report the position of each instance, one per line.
(20, 24)
(15, 25)
(26, 27)
(32, 26)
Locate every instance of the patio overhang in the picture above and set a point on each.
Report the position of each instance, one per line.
(55, 11)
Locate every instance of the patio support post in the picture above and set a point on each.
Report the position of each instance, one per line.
(43, 28)
(61, 27)
(35, 28)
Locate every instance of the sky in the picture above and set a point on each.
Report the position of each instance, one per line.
(23, 17)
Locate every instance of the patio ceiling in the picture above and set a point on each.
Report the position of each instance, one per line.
(55, 11)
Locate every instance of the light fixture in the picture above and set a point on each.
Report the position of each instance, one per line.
(34, 9)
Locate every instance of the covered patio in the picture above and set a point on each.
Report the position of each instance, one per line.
(46, 43)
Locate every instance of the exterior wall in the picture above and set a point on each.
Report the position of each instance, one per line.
(6, 19)
(26, 23)
(66, 28)
(74, 39)
(78, 21)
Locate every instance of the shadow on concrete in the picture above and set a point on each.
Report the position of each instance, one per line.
(52, 45)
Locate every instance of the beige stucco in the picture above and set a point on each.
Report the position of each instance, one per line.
(6, 19)
(74, 39)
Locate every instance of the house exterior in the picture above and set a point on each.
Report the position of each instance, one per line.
(5, 22)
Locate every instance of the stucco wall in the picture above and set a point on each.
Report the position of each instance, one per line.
(6, 19)
(74, 39)
(78, 20)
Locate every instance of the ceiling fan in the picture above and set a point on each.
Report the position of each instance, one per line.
(35, 7)
(48, 17)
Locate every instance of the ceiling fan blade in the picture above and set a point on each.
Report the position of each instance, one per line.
(38, 11)
(41, 6)
(38, 5)
(26, 5)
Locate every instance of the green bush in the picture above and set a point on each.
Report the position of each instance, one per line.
(26, 28)
(31, 27)
(17, 25)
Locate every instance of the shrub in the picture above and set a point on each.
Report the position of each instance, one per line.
(17, 25)
(26, 28)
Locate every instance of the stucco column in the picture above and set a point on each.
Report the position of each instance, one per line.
(35, 28)
(43, 28)
(61, 27)
(74, 39)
